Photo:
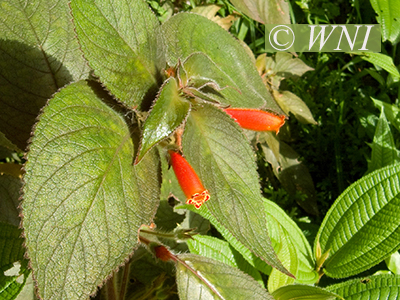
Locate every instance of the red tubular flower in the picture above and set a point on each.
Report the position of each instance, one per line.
(188, 180)
(255, 119)
(163, 253)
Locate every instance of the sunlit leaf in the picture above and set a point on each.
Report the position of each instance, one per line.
(303, 292)
(265, 11)
(388, 16)
(122, 42)
(220, 250)
(169, 111)
(371, 288)
(362, 227)
(188, 33)
(211, 279)
(83, 200)
(229, 173)
(382, 60)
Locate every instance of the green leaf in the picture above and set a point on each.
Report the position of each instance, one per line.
(169, 111)
(214, 280)
(393, 263)
(10, 187)
(265, 11)
(13, 266)
(292, 248)
(382, 60)
(362, 227)
(200, 70)
(188, 33)
(38, 55)
(287, 255)
(291, 103)
(220, 250)
(303, 292)
(391, 112)
(389, 17)
(291, 172)
(384, 150)
(229, 173)
(122, 42)
(83, 200)
(251, 258)
(372, 288)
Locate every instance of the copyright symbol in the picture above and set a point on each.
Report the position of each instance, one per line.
(281, 37)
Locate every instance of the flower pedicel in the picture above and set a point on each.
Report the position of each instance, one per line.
(255, 119)
(188, 180)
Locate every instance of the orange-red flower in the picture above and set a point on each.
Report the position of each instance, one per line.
(188, 180)
(255, 119)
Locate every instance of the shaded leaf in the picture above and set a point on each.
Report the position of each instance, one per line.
(10, 187)
(391, 112)
(122, 42)
(231, 177)
(371, 288)
(220, 250)
(188, 33)
(362, 228)
(13, 266)
(83, 200)
(303, 292)
(38, 55)
(388, 16)
(292, 173)
(289, 102)
(384, 151)
(265, 11)
(169, 111)
(218, 280)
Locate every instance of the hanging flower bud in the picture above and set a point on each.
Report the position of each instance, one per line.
(188, 180)
(163, 253)
(255, 119)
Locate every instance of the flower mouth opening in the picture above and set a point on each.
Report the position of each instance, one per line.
(198, 199)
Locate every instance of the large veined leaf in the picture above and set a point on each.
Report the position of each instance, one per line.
(220, 250)
(38, 55)
(122, 42)
(265, 11)
(382, 60)
(388, 16)
(188, 33)
(218, 150)
(13, 266)
(371, 288)
(214, 280)
(169, 111)
(303, 292)
(384, 150)
(83, 200)
(362, 227)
